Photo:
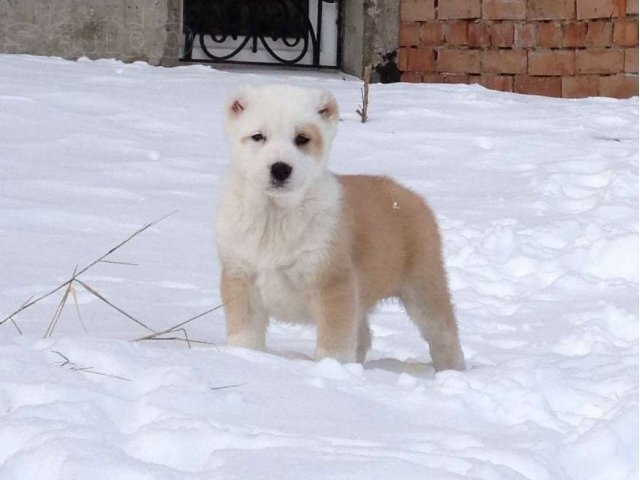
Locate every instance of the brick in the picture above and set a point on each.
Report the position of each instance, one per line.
(551, 62)
(478, 35)
(504, 9)
(600, 8)
(551, 9)
(458, 61)
(504, 61)
(409, 34)
(547, 86)
(574, 34)
(432, 34)
(632, 7)
(503, 83)
(501, 34)
(456, 78)
(432, 78)
(599, 34)
(625, 33)
(525, 35)
(631, 60)
(411, 77)
(549, 35)
(403, 59)
(599, 61)
(417, 10)
(619, 86)
(455, 33)
(473, 79)
(421, 59)
(580, 86)
(453, 9)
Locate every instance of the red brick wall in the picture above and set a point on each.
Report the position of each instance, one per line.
(560, 48)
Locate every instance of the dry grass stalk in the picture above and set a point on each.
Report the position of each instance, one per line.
(77, 368)
(177, 327)
(102, 258)
(16, 325)
(224, 387)
(96, 294)
(115, 262)
(363, 110)
(77, 304)
(59, 308)
(70, 289)
(179, 339)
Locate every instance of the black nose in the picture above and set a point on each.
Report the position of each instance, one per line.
(280, 171)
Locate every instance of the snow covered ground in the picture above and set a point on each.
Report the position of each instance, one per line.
(538, 204)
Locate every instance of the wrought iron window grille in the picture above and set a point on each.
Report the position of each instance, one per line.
(289, 31)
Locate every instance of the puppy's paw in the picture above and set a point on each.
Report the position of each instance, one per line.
(247, 339)
(343, 356)
(449, 360)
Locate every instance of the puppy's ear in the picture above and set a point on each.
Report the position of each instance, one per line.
(328, 109)
(237, 103)
(237, 106)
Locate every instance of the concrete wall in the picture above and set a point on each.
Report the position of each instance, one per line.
(352, 37)
(370, 37)
(382, 25)
(126, 29)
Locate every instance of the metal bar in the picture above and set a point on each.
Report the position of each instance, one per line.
(188, 45)
(340, 32)
(301, 66)
(316, 49)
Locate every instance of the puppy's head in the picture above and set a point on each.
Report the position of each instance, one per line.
(280, 135)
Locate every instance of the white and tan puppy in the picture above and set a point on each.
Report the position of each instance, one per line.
(300, 244)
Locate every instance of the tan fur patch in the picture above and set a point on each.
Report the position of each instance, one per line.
(246, 319)
(388, 239)
(330, 110)
(315, 146)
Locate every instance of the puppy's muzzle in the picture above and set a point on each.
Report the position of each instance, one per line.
(280, 172)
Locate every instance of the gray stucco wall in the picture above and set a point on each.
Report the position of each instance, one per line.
(353, 37)
(371, 29)
(382, 28)
(129, 30)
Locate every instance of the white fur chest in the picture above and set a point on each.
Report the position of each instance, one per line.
(283, 297)
(281, 248)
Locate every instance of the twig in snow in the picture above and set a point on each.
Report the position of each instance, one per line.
(176, 339)
(179, 325)
(363, 110)
(77, 368)
(16, 325)
(84, 269)
(224, 387)
(115, 262)
(60, 307)
(75, 301)
(101, 297)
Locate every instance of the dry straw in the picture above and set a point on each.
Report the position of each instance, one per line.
(176, 332)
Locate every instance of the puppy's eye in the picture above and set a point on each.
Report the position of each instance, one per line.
(301, 140)
(258, 137)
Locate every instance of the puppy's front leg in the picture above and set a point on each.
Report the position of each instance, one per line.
(336, 308)
(246, 316)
